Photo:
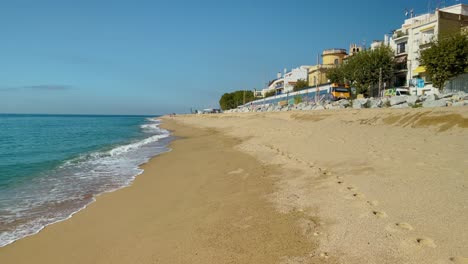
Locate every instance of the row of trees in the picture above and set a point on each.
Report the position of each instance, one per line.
(234, 99)
(365, 69)
(445, 59)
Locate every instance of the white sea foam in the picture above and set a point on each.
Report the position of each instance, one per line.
(73, 185)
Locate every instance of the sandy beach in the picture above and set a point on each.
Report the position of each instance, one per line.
(338, 186)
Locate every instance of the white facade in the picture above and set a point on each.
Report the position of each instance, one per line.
(291, 78)
(285, 83)
(410, 39)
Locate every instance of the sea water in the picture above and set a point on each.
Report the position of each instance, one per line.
(51, 166)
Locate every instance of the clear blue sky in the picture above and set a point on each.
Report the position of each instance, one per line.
(155, 57)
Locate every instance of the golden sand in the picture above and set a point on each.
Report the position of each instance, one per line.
(344, 186)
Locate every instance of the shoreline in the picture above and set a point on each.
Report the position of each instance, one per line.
(93, 231)
(163, 140)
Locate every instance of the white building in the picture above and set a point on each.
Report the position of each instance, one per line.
(285, 83)
(291, 78)
(415, 35)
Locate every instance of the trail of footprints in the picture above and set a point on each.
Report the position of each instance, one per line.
(405, 227)
(402, 226)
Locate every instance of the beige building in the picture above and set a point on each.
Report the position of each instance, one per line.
(331, 58)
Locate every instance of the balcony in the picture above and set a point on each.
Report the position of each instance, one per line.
(400, 35)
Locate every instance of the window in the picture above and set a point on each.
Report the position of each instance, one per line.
(337, 61)
(401, 48)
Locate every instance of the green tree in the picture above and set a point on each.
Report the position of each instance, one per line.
(270, 93)
(234, 99)
(300, 85)
(446, 58)
(362, 70)
(336, 75)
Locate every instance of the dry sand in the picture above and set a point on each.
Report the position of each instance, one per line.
(344, 186)
(388, 185)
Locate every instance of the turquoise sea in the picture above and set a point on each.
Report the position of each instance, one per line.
(51, 166)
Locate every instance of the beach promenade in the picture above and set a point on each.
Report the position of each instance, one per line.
(338, 186)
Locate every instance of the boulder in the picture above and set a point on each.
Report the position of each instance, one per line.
(385, 101)
(432, 97)
(375, 103)
(460, 103)
(403, 105)
(318, 107)
(343, 102)
(396, 100)
(413, 99)
(307, 107)
(360, 103)
(445, 95)
(335, 107)
(435, 103)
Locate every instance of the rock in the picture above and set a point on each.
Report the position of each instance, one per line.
(432, 97)
(328, 106)
(445, 95)
(335, 107)
(307, 107)
(318, 107)
(413, 99)
(460, 103)
(343, 102)
(456, 97)
(385, 102)
(360, 103)
(434, 103)
(375, 103)
(396, 100)
(403, 105)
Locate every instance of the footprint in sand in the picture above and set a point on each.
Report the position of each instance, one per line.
(373, 203)
(427, 242)
(238, 171)
(459, 260)
(358, 195)
(379, 214)
(351, 188)
(324, 255)
(404, 226)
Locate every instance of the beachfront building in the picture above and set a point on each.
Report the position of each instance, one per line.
(284, 83)
(331, 58)
(415, 35)
(291, 77)
(275, 85)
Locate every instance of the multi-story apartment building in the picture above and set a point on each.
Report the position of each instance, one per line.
(285, 82)
(417, 34)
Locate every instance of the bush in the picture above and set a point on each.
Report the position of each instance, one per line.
(297, 99)
(270, 93)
